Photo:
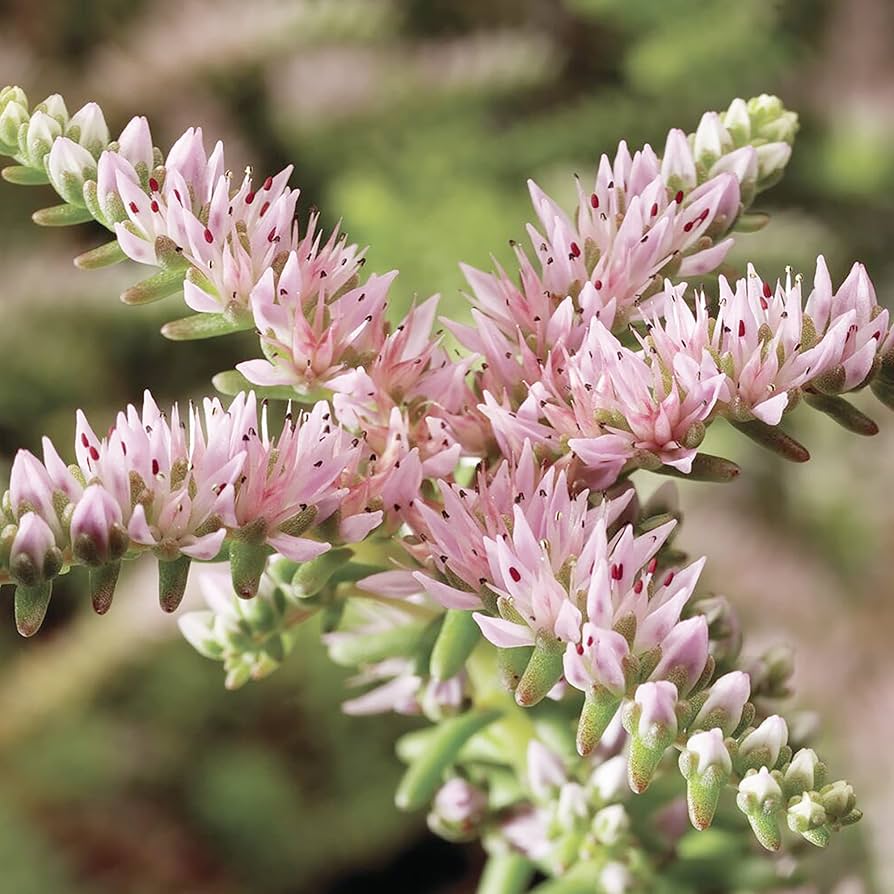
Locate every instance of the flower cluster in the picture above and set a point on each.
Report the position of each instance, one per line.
(177, 488)
(748, 359)
(645, 218)
(514, 566)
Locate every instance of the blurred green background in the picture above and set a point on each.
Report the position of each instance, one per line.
(125, 766)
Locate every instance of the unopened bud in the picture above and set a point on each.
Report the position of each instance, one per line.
(725, 703)
(706, 765)
(762, 746)
(651, 721)
(760, 798)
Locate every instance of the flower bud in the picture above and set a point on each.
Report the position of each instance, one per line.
(760, 798)
(807, 816)
(458, 809)
(68, 166)
(684, 652)
(135, 144)
(805, 772)
(738, 122)
(13, 114)
(546, 772)
(724, 628)
(615, 878)
(88, 127)
(610, 825)
(198, 629)
(711, 139)
(34, 556)
(677, 165)
(31, 490)
(762, 746)
(771, 161)
(54, 106)
(651, 721)
(770, 120)
(706, 765)
(838, 799)
(571, 806)
(725, 703)
(609, 780)
(42, 131)
(94, 538)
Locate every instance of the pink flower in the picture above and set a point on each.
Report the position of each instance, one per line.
(616, 406)
(310, 331)
(92, 522)
(456, 535)
(597, 660)
(855, 315)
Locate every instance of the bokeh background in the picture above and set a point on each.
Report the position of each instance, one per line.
(124, 765)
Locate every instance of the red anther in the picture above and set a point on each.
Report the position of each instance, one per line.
(617, 571)
(94, 454)
(264, 208)
(153, 184)
(209, 236)
(268, 183)
(688, 226)
(133, 207)
(597, 284)
(580, 649)
(249, 198)
(654, 209)
(669, 579)
(515, 574)
(768, 292)
(741, 328)
(638, 586)
(653, 564)
(575, 250)
(155, 466)
(594, 200)
(678, 198)
(154, 206)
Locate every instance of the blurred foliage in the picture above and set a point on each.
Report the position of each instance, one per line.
(416, 122)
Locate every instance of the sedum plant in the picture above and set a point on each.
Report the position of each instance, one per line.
(467, 528)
